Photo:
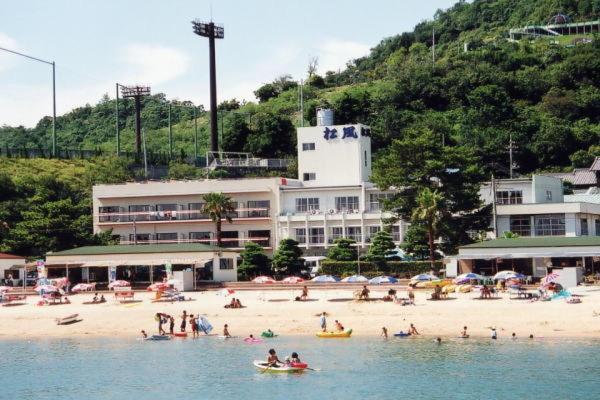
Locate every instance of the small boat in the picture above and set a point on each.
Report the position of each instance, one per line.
(344, 334)
(158, 337)
(67, 320)
(285, 369)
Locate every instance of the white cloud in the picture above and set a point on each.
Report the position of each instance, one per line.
(7, 60)
(335, 53)
(154, 64)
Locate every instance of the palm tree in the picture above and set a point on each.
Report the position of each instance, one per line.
(218, 207)
(428, 211)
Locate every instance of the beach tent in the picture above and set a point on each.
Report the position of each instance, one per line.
(424, 278)
(263, 279)
(355, 279)
(505, 275)
(325, 279)
(468, 277)
(383, 280)
(292, 279)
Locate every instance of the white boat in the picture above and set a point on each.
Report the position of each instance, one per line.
(285, 369)
(67, 320)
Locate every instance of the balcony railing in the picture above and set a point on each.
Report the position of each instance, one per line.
(225, 242)
(179, 215)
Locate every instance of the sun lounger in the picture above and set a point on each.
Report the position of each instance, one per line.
(12, 299)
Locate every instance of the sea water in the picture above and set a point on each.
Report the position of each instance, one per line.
(356, 368)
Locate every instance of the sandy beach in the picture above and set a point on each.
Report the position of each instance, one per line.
(275, 309)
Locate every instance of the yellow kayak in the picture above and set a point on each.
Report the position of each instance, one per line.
(331, 335)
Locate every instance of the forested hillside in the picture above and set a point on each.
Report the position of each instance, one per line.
(481, 90)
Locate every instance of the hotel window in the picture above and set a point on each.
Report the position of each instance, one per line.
(396, 233)
(229, 239)
(140, 238)
(377, 200)
(316, 235)
(550, 225)
(166, 237)
(372, 231)
(309, 204)
(262, 238)
(309, 176)
(235, 213)
(226, 263)
(110, 210)
(308, 146)
(258, 208)
(597, 226)
(584, 227)
(346, 203)
(140, 213)
(520, 224)
(166, 212)
(509, 197)
(195, 211)
(548, 195)
(354, 233)
(336, 232)
(201, 237)
(301, 235)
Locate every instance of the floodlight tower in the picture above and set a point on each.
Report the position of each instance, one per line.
(212, 32)
(136, 92)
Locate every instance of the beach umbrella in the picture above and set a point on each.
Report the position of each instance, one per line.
(505, 275)
(82, 287)
(263, 279)
(325, 279)
(551, 277)
(355, 279)
(292, 279)
(382, 280)
(5, 289)
(424, 277)
(46, 288)
(226, 292)
(115, 284)
(155, 287)
(467, 277)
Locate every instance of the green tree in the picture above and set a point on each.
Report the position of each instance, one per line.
(218, 207)
(344, 250)
(382, 246)
(254, 261)
(415, 241)
(287, 259)
(182, 171)
(428, 212)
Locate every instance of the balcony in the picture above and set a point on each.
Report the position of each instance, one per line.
(231, 243)
(129, 217)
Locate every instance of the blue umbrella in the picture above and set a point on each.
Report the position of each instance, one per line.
(355, 279)
(424, 278)
(383, 279)
(467, 277)
(325, 278)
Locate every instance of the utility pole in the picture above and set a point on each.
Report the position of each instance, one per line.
(170, 135)
(136, 92)
(511, 148)
(212, 32)
(195, 136)
(145, 156)
(433, 47)
(301, 93)
(494, 207)
(117, 120)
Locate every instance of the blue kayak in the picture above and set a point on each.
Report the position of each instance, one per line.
(401, 334)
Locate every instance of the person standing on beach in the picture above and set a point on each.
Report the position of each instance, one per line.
(226, 331)
(304, 294)
(323, 322)
(183, 321)
(161, 320)
(412, 330)
(171, 324)
(384, 332)
(494, 334)
(411, 297)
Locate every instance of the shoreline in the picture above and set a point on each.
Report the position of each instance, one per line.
(276, 310)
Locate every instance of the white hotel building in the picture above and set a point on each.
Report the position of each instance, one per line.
(332, 198)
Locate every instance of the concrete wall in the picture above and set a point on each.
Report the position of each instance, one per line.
(544, 185)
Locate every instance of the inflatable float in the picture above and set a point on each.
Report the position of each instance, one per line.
(180, 334)
(250, 340)
(402, 334)
(268, 334)
(158, 337)
(285, 369)
(332, 335)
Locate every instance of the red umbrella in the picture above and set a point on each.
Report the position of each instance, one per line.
(155, 287)
(82, 287)
(293, 279)
(263, 279)
(118, 284)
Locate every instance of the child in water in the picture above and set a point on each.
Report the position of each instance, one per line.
(272, 359)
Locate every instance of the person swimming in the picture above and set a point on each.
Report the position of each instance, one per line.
(272, 359)
(494, 334)
(438, 340)
(144, 334)
(514, 336)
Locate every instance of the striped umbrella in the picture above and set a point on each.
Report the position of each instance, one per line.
(293, 279)
(263, 279)
(551, 277)
(119, 284)
(46, 288)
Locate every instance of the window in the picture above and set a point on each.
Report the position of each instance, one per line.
(509, 197)
(365, 158)
(520, 224)
(316, 235)
(550, 225)
(597, 226)
(308, 146)
(396, 233)
(301, 235)
(229, 239)
(377, 200)
(336, 232)
(372, 231)
(348, 203)
(140, 238)
(109, 210)
(584, 227)
(166, 212)
(195, 211)
(309, 176)
(309, 204)
(548, 195)
(167, 237)
(354, 233)
(262, 238)
(201, 237)
(235, 214)
(226, 263)
(140, 213)
(258, 208)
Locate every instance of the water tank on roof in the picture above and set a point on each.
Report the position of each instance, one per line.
(324, 116)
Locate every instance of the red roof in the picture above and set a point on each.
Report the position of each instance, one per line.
(6, 256)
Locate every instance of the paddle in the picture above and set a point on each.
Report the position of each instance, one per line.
(313, 369)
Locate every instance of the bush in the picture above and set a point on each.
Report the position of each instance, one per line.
(401, 269)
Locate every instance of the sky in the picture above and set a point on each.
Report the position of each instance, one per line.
(96, 43)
